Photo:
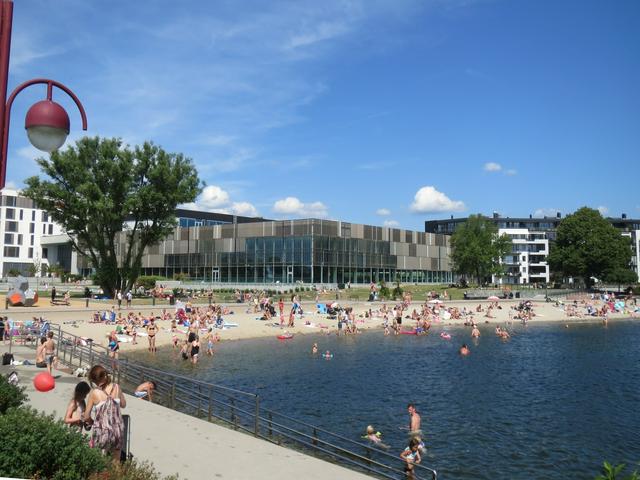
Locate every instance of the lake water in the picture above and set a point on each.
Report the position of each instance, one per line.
(552, 402)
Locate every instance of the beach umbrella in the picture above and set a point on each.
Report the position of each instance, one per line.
(435, 301)
(493, 298)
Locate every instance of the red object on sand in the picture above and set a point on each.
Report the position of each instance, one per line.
(44, 382)
(287, 336)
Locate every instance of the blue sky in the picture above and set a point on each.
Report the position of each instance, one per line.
(378, 112)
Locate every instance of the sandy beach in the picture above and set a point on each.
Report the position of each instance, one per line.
(76, 319)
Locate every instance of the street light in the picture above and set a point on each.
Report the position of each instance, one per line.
(47, 123)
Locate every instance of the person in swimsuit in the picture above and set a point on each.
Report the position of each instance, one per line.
(77, 406)
(41, 361)
(195, 350)
(145, 390)
(411, 455)
(49, 351)
(464, 350)
(210, 341)
(152, 330)
(415, 433)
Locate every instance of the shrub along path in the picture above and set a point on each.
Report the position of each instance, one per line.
(177, 443)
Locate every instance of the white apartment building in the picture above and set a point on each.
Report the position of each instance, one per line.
(22, 227)
(527, 262)
(634, 235)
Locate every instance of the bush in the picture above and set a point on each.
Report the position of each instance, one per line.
(611, 472)
(149, 281)
(10, 396)
(44, 447)
(131, 470)
(397, 292)
(384, 291)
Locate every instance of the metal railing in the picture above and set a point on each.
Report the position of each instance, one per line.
(240, 410)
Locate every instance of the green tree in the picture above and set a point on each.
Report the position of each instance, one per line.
(477, 248)
(99, 187)
(588, 246)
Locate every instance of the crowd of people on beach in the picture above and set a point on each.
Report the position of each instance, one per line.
(598, 305)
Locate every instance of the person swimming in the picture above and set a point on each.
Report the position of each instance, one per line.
(464, 350)
(314, 348)
(328, 355)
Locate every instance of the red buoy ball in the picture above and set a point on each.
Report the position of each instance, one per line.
(44, 382)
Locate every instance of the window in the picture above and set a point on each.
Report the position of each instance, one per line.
(11, 226)
(30, 252)
(21, 214)
(33, 215)
(11, 252)
(51, 229)
(8, 238)
(32, 240)
(9, 201)
(19, 239)
(44, 228)
(11, 214)
(32, 228)
(45, 252)
(45, 217)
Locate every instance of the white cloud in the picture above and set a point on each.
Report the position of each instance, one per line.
(293, 206)
(319, 33)
(214, 199)
(430, 200)
(244, 208)
(545, 212)
(383, 212)
(492, 167)
(390, 223)
(603, 210)
(213, 196)
(511, 172)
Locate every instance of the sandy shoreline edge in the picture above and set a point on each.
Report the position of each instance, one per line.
(76, 320)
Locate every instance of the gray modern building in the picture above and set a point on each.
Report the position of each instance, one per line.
(309, 251)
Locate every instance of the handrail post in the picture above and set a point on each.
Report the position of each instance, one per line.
(257, 417)
(91, 353)
(210, 402)
(58, 342)
(315, 437)
(173, 394)
(233, 413)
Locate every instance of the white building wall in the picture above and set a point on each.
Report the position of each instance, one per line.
(21, 229)
(530, 251)
(636, 252)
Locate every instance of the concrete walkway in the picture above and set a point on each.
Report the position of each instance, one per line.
(178, 443)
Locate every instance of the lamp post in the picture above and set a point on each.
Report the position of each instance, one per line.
(47, 122)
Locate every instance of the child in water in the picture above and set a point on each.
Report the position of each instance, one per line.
(411, 455)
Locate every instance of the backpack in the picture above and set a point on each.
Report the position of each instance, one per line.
(108, 426)
(7, 358)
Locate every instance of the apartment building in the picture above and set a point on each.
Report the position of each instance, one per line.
(23, 226)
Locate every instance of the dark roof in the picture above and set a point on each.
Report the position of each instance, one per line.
(220, 217)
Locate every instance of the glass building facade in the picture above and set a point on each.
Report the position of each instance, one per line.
(309, 251)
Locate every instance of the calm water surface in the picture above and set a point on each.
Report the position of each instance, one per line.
(550, 403)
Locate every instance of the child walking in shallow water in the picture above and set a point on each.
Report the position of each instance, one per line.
(411, 455)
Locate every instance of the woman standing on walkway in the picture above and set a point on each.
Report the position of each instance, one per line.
(103, 412)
